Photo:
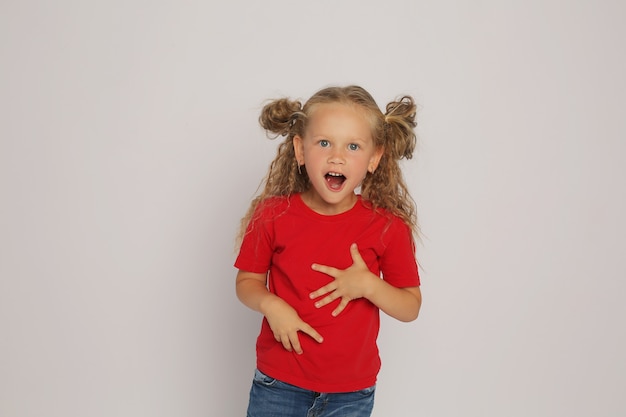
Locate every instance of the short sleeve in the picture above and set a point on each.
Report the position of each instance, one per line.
(398, 263)
(255, 254)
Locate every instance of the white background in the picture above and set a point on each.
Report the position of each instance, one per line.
(130, 149)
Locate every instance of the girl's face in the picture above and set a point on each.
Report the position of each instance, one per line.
(338, 150)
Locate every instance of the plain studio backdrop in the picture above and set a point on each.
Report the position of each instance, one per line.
(130, 149)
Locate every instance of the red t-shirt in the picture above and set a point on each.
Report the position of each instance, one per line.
(285, 237)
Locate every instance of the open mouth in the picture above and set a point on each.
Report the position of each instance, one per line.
(335, 180)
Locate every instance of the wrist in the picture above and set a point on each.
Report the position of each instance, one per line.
(267, 304)
(371, 285)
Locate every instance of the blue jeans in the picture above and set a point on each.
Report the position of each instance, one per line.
(270, 397)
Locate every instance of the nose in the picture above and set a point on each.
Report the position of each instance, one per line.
(337, 157)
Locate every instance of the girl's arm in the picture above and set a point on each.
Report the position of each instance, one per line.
(283, 319)
(359, 282)
(400, 303)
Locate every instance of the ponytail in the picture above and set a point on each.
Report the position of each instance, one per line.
(278, 116)
(399, 128)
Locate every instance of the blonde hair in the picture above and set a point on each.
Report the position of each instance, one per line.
(393, 131)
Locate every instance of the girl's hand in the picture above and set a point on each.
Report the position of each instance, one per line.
(349, 284)
(283, 319)
(285, 324)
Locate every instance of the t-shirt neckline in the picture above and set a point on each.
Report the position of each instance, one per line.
(329, 217)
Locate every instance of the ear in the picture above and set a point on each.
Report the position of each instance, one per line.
(375, 159)
(298, 148)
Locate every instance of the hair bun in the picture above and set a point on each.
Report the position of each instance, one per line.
(399, 126)
(278, 115)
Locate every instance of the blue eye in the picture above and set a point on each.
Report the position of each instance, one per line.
(324, 143)
(353, 146)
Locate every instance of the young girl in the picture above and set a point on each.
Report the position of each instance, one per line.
(313, 251)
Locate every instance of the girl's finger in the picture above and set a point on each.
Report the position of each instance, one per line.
(324, 290)
(328, 270)
(326, 300)
(356, 255)
(313, 333)
(286, 343)
(295, 343)
(342, 305)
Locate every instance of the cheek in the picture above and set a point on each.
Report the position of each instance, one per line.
(313, 153)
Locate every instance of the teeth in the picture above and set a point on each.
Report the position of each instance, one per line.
(334, 174)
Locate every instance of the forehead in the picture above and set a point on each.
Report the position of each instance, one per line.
(339, 119)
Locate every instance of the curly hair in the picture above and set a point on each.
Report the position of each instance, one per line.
(393, 130)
